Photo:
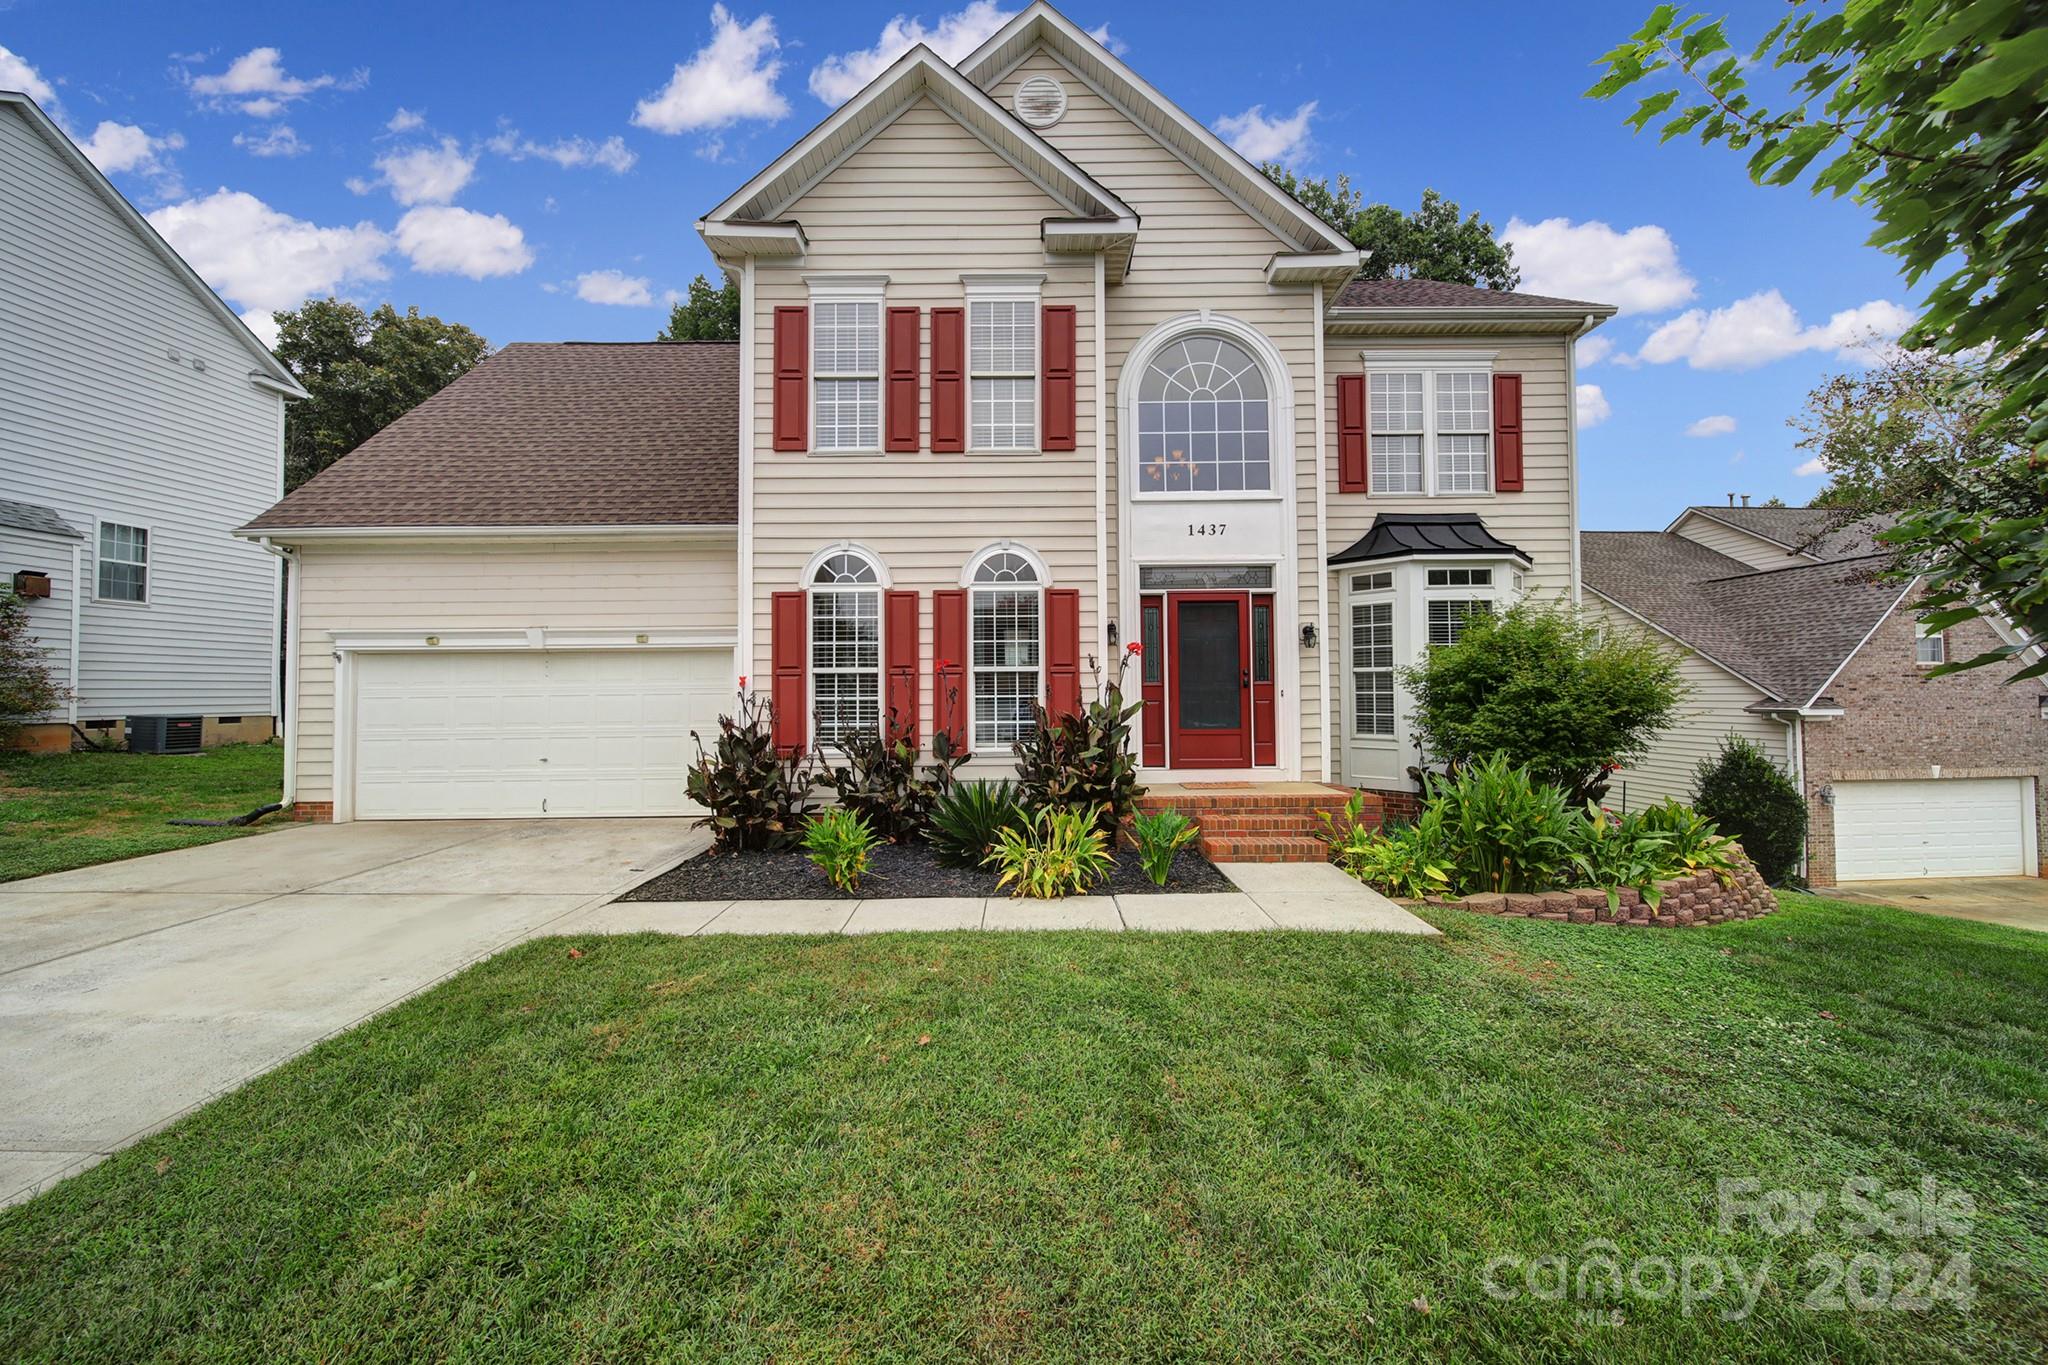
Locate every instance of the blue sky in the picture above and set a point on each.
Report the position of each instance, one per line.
(534, 170)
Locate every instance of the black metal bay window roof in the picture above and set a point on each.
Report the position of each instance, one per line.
(1406, 535)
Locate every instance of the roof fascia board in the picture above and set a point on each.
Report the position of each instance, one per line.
(294, 534)
(47, 128)
(1683, 643)
(1883, 617)
(1404, 313)
(1050, 23)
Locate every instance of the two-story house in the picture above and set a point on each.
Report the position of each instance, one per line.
(1791, 637)
(1032, 369)
(140, 423)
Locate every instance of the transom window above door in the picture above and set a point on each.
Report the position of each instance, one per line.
(1204, 420)
(1430, 431)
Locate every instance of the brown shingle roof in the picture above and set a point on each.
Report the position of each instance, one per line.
(1818, 531)
(549, 434)
(1438, 294)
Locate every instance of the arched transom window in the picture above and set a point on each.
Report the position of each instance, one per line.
(1204, 420)
(1006, 639)
(846, 645)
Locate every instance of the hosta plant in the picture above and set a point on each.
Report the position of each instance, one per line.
(1055, 853)
(966, 820)
(1159, 835)
(838, 842)
(755, 795)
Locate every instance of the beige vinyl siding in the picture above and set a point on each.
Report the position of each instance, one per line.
(1196, 249)
(922, 202)
(1722, 538)
(628, 585)
(1712, 712)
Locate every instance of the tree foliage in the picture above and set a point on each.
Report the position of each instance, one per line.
(1432, 243)
(364, 371)
(1550, 689)
(27, 688)
(706, 313)
(1752, 800)
(1930, 114)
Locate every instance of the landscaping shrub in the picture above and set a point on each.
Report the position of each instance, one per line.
(27, 689)
(756, 796)
(1551, 690)
(881, 780)
(1504, 830)
(838, 842)
(1054, 853)
(1611, 852)
(1692, 842)
(1754, 802)
(1402, 860)
(1159, 835)
(1084, 762)
(966, 819)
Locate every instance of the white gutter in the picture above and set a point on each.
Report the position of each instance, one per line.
(1101, 467)
(299, 533)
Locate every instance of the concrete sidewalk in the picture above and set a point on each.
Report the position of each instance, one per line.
(1269, 896)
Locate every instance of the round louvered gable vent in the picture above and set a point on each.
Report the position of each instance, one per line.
(1041, 101)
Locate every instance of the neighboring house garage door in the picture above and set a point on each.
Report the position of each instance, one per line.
(1962, 827)
(532, 733)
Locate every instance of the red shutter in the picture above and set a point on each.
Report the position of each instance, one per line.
(792, 375)
(788, 628)
(899, 637)
(906, 366)
(1056, 383)
(949, 664)
(1507, 433)
(1063, 651)
(1351, 465)
(949, 380)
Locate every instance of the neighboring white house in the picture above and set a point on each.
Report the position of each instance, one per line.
(140, 423)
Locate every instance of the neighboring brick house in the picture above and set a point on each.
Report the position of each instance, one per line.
(1792, 640)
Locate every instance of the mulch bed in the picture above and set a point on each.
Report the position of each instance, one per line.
(895, 871)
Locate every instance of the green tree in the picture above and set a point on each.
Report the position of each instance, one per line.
(1550, 689)
(364, 371)
(705, 314)
(27, 689)
(1432, 243)
(1754, 802)
(1930, 114)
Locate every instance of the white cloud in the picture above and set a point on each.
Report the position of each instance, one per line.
(1590, 406)
(452, 241)
(257, 83)
(17, 74)
(1813, 468)
(1718, 425)
(1258, 138)
(730, 78)
(1637, 271)
(405, 121)
(1117, 46)
(1593, 350)
(259, 258)
(613, 287)
(1763, 327)
(263, 324)
(426, 175)
(567, 152)
(117, 147)
(843, 75)
(276, 140)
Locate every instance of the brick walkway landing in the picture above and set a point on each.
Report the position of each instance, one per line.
(1258, 822)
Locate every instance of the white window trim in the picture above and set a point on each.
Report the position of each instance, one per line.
(848, 289)
(148, 562)
(1371, 597)
(812, 589)
(1279, 407)
(1920, 636)
(1495, 594)
(967, 666)
(1008, 288)
(1430, 364)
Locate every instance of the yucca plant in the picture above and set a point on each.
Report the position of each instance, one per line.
(966, 820)
(1159, 835)
(1055, 853)
(838, 842)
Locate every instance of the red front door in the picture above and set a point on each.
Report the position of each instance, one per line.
(1209, 641)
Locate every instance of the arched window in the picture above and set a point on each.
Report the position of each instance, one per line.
(1006, 643)
(1204, 420)
(846, 645)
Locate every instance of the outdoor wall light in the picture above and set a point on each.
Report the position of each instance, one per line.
(1112, 635)
(1308, 636)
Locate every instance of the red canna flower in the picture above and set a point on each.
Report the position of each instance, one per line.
(1135, 647)
(743, 682)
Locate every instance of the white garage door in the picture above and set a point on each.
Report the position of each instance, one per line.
(1966, 827)
(571, 732)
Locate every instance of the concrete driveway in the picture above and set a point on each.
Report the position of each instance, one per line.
(2018, 901)
(134, 991)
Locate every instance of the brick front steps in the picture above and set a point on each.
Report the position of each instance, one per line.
(1258, 822)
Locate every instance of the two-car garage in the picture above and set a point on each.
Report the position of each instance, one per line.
(1946, 827)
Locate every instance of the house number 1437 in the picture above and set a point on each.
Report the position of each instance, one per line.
(1206, 528)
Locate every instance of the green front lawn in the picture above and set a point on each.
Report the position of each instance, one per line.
(1114, 1147)
(59, 811)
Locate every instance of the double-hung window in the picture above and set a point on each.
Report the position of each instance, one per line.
(1372, 655)
(846, 369)
(123, 563)
(1929, 647)
(1002, 364)
(1007, 635)
(846, 647)
(1431, 430)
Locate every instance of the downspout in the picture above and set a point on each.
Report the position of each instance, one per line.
(290, 681)
(1571, 467)
(1324, 650)
(77, 607)
(1102, 603)
(744, 541)
(1795, 751)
